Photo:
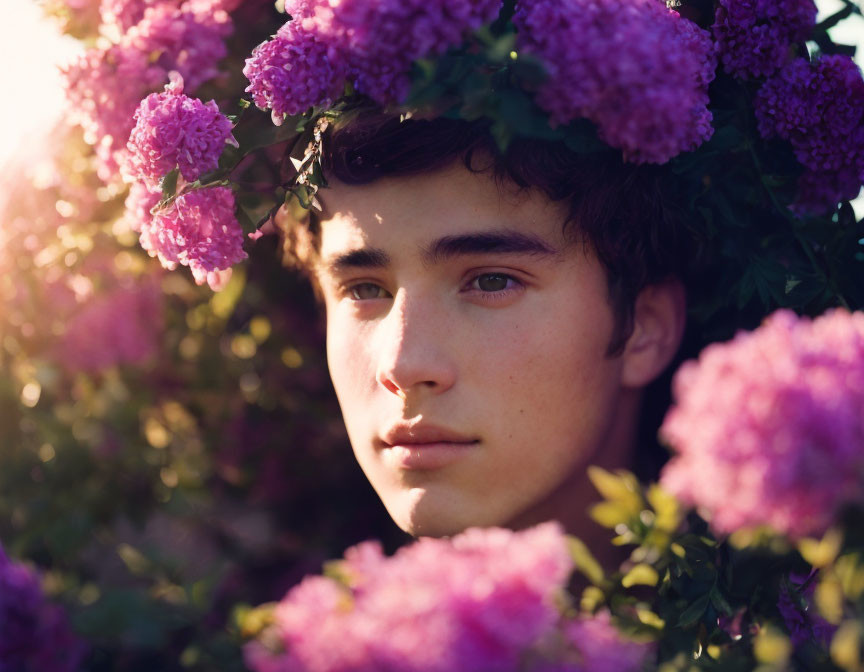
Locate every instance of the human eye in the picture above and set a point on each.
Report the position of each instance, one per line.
(493, 286)
(366, 291)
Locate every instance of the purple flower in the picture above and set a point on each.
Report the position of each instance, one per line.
(294, 71)
(184, 39)
(472, 604)
(123, 14)
(121, 326)
(103, 87)
(34, 634)
(597, 646)
(372, 42)
(819, 108)
(198, 230)
(802, 620)
(650, 99)
(768, 428)
(382, 38)
(140, 201)
(754, 37)
(172, 130)
(106, 84)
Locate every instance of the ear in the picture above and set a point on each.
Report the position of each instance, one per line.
(658, 326)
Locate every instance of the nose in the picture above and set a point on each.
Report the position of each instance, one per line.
(414, 351)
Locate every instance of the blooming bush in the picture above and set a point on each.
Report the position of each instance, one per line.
(198, 230)
(175, 131)
(294, 71)
(819, 108)
(162, 457)
(106, 84)
(661, 72)
(767, 429)
(755, 37)
(484, 601)
(35, 635)
(121, 326)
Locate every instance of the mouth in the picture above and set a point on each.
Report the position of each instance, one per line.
(424, 447)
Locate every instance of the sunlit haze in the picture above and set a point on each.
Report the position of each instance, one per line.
(31, 48)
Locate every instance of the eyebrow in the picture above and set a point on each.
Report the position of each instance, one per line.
(446, 248)
(492, 242)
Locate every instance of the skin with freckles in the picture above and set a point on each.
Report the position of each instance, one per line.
(466, 338)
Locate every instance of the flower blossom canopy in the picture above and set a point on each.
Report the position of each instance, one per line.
(769, 427)
(121, 326)
(175, 131)
(819, 108)
(640, 73)
(371, 42)
(198, 230)
(104, 86)
(188, 39)
(126, 13)
(35, 634)
(474, 604)
(754, 37)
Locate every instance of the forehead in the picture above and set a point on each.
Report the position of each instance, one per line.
(398, 212)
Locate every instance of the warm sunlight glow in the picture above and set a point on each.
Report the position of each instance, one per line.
(30, 49)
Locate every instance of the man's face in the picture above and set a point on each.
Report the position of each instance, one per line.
(466, 338)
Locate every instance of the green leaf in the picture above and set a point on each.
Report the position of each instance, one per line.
(694, 612)
(169, 184)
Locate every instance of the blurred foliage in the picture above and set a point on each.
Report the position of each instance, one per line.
(159, 494)
(209, 468)
(751, 601)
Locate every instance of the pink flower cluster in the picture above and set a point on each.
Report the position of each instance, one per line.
(172, 130)
(35, 634)
(104, 88)
(119, 327)
(640, 72)
(754, 37)
(819, 108)
(123, 14)
(198, 230)
(476, 603)
(768, 429)
(189, 39)
(105, 85)
(294, 71)
(371, 42)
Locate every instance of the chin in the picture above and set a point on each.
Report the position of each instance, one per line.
(422, 513)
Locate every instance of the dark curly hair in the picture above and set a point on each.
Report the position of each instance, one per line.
(625, 212)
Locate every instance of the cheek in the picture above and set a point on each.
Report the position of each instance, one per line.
(351, 367)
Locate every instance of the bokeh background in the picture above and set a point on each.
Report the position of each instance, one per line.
(169, 455)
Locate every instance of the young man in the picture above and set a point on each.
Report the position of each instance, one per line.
(492, 320)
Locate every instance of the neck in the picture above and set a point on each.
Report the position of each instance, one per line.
(569, 503)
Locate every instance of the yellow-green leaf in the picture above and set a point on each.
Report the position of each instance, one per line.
(640, 575)
(822, 552)
(846, 646)
(666, 508)
(772, 647)
(621, 487)
(585, 562)
(829, 598)
(592, 597)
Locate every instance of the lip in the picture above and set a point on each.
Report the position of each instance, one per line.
(424, 447)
